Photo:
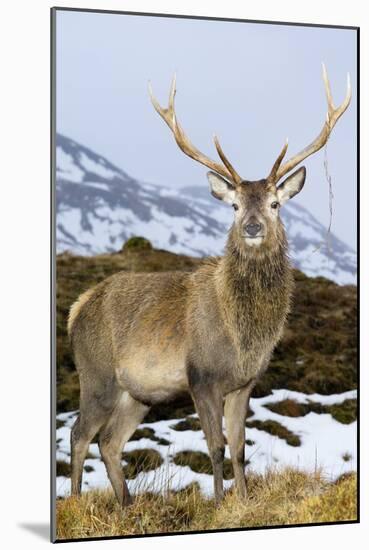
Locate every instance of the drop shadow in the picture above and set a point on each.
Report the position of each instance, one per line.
(42, 530)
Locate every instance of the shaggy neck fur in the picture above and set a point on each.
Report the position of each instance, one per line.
(254, 287)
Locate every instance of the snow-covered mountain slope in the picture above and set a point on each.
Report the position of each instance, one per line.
(311, 249)
(99, 206)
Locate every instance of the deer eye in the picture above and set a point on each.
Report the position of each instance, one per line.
(235, 206)
(274, 204)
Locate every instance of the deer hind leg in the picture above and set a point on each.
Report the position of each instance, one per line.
(209, 405)
(96, 404)
(126, 416)
(235, 412)
(84, 429)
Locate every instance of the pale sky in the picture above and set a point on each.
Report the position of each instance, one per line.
(252, 84)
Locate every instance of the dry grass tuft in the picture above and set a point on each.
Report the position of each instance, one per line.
(285, 498)
(345, 412)
(200, 462)
(275, 428)
(140, 460)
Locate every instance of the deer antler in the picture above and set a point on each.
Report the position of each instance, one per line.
(184, 143)
(333, 115)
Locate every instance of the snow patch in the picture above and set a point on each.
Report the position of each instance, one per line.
(66, 167)
(96, 168)
(324, 443)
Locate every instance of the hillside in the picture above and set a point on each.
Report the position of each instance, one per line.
(316, 355)
(302, 412)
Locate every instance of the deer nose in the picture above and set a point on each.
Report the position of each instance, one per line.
(253, 229)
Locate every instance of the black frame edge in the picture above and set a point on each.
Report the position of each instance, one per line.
(358, 265)
(232, 530)
(204, 17)
(53, 274)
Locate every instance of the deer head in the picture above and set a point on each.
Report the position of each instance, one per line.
(256, 203)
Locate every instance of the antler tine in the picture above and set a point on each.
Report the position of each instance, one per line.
(169, 116)
(327, 88)
(235, 176)
(166, 114)
(332, 117)
(276, 165)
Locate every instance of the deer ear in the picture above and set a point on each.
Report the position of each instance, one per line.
(220, 188)
(291, 186)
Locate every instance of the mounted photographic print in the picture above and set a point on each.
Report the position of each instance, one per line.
(204, 189)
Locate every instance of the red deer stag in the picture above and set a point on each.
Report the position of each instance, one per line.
(141, 339)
